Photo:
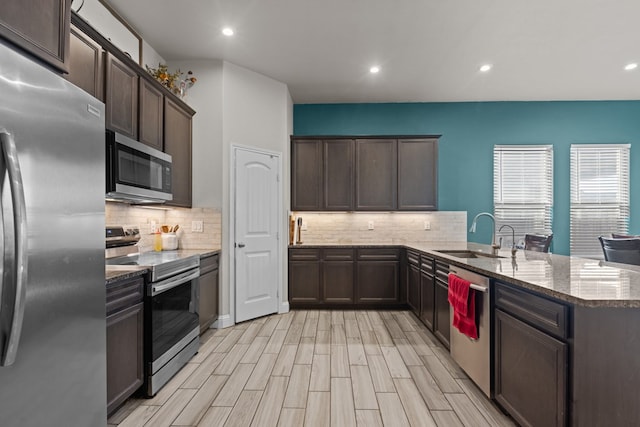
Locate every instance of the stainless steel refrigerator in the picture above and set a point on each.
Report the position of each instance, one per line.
(52, 287)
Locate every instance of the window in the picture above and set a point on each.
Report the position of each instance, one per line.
(599, 195)
(523, 190)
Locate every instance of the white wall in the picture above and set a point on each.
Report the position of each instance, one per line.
(234, 106)
(257, 112)
(206, 98)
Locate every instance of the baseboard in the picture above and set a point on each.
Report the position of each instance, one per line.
(284, 307)
(223, 321)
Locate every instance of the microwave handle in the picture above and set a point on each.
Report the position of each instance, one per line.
(16, 286)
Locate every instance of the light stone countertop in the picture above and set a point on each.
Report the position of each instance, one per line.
(114, 273)
(580, 281)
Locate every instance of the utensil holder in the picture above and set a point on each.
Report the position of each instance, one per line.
(169, 241)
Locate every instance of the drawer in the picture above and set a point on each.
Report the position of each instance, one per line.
(304, 254)
(442, 272)
(339, 254)
(426, 264)
(378, 254)
(547, 315)
(413, 258)
(209, 263)
(126, 293)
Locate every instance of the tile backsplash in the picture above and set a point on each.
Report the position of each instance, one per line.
(145, 217)
(388, 227)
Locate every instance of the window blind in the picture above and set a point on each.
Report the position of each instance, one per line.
(599, 195)
(523, 190)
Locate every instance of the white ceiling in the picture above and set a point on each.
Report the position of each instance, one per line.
(428, 50)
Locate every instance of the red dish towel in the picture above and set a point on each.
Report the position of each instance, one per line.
(463, 301)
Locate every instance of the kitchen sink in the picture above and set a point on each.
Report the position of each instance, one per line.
(462, 253)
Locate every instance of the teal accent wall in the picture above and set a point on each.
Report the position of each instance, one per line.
(470, 130)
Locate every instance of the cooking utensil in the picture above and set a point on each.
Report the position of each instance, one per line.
(299, 241)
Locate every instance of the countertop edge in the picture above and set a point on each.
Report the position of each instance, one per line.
(545, 291)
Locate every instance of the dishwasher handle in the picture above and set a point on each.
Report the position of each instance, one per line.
(474, 286)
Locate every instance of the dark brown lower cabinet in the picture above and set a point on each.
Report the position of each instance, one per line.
(427, 298)
(208, 291)
(335, 276)
(411, 283)
(413, 288)
(337, 282)
(377, 276)
(442, 323)
(530, 373)
(304, 276)
(125, 321)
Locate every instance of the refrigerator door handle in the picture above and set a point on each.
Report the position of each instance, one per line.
(16, 289)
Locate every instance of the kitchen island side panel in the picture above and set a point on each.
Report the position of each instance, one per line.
(606, 367)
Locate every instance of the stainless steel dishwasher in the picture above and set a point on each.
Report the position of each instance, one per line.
(473, 356)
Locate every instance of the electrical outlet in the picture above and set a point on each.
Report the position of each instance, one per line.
(197, 226)
(304, 226)
(370, 225)
(427, 225)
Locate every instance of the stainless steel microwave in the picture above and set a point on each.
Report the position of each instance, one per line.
(136, 173)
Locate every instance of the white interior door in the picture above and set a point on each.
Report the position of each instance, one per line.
(256, 234)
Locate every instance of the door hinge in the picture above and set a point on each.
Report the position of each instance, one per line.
(278, 177)
(277, 235)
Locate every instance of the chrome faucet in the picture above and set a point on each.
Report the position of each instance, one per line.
(513, 239)
(494, 246)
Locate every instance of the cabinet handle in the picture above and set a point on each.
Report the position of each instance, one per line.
(241, 245)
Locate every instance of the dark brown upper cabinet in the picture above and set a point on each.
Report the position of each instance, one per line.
(41, 27)
(364, 174)
(86, 64)
(417, 174)
(121, 99)
(177, 142)
(151, 115)
(376, 174)
(338, 174)
(306, 175)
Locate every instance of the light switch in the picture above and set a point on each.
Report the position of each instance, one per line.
(197, 226)
(370, 225)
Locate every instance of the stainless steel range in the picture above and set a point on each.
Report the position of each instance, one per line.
(171, 326)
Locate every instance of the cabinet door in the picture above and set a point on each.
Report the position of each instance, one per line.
(376, 174)
(121, 98)
(428, 299)
(151, 115)
(337, 282)
(86, 64)
(442, 324)
(177, 142)
(208, 292)
(306, 175)
(378, 282)
(304, 282)
(530, 373)
(413, 288)
(417, 174)
(338, 174)
(41, 27)
(124, 354)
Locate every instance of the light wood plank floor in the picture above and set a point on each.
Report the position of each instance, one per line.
(318, 368)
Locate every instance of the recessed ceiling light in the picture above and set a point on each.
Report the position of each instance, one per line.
(375, 69)
(486, 67)
(631, 66)
(227, 31)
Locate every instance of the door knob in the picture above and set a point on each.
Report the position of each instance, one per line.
(241, 245)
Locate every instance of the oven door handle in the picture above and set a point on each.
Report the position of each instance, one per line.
(172, 282)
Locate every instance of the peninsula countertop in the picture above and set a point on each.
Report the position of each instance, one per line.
(580, 281)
